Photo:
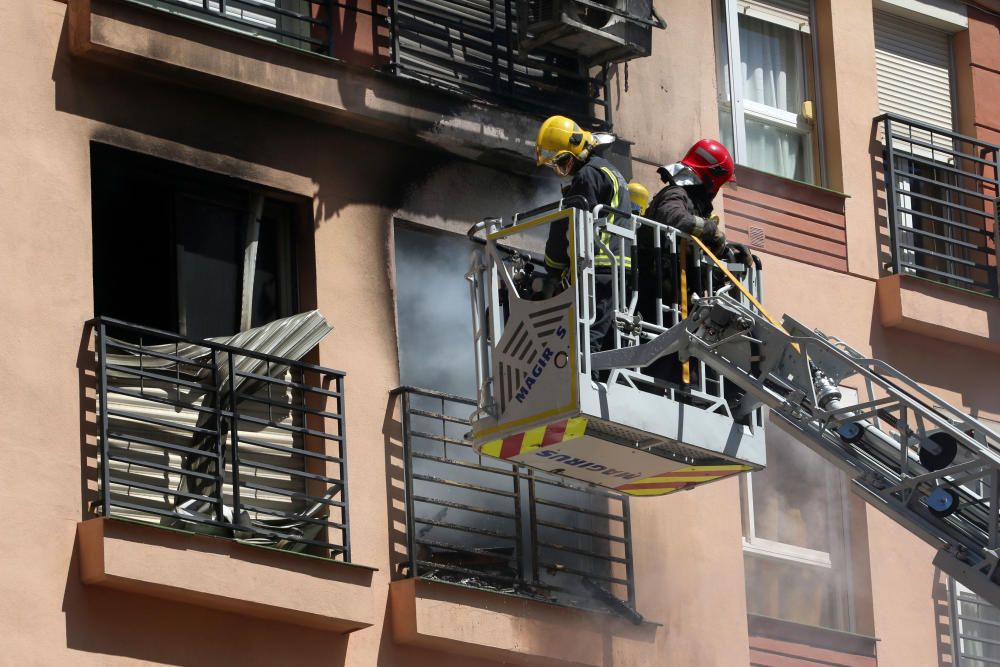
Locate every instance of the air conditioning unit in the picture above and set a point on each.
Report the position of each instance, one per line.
(597, 31)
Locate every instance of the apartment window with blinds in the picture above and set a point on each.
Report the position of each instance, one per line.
(796, 537)
(767, 86)
(187, 251)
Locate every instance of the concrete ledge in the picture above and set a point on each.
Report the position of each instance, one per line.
(361, 99)
(939, 311)
(480, 624)
(225, 575)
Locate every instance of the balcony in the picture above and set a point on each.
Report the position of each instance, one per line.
(941, 190)
(505, 546)
(941, 211)
(219, 464)
(470, 47)
(448, 74)
(223, 440)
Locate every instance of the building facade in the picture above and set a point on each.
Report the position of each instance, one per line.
(180, 170)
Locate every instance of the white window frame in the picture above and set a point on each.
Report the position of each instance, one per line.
(761, 547)
(741, 109)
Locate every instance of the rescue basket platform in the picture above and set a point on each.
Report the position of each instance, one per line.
(639, 431)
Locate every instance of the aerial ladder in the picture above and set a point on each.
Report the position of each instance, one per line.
(677, 401)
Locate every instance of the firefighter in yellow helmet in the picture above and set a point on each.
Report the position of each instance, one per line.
(568, 150)
(639, 195)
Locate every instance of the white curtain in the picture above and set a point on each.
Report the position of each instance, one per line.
(771, 63)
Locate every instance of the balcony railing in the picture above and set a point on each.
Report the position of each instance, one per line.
(492, 525)
(470, 47)
(222, 440)
(941, 200)
(466, 47)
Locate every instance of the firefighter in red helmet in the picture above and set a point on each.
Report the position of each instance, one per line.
(685, 202)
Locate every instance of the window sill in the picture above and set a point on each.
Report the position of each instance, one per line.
(773, 638)
(225, 575)
(938, 311)
(481, 624)
(787, 218)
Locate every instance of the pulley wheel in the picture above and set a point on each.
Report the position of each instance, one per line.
(943, 459)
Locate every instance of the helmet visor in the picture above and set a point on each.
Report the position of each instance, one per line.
(545, 156)
(563, 164)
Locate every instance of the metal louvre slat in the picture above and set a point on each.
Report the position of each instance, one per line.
(469, 47)
(163, 443)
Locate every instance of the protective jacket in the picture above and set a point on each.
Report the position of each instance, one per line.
(687, 209)
(596, 182)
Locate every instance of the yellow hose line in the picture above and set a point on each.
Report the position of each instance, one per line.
(682, 259)
(741, 287)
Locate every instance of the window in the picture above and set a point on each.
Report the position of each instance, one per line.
(302, 24)
(188, 251)
(975, 628)
(766, 80)
(941, 225)
(796, 536)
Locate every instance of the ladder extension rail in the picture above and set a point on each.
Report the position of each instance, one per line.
(928, 465)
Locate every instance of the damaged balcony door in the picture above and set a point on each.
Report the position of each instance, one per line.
(208, 259)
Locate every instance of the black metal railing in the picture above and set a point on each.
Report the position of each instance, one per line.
(216, 439)
(470, 47)
(493, 525)
(309, 25)
(941, 202)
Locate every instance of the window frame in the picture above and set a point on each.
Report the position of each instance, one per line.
(741, 110)
(839, 531)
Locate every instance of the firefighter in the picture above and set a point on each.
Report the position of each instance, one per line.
(691, 184)
(568, 150)
(685, 203)
(639, 195)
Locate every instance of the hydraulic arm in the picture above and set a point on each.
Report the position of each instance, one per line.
(926, 464)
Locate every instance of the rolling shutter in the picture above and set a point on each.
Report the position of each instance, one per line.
(792, 14)
(913, 70)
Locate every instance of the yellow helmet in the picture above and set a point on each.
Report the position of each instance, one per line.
(639, 195)
(559, 141)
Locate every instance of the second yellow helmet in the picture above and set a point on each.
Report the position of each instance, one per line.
(639, 195)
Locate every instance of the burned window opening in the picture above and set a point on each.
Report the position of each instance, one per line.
(163, 231)
(209, 420)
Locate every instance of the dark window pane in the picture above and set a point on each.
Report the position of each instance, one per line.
(210, 241)
(432, 306)
(134, 272)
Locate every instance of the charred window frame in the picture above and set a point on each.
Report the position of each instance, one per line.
(163, 231)
(472, 520)
(796, 536)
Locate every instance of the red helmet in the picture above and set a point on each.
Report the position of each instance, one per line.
(712, 162)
